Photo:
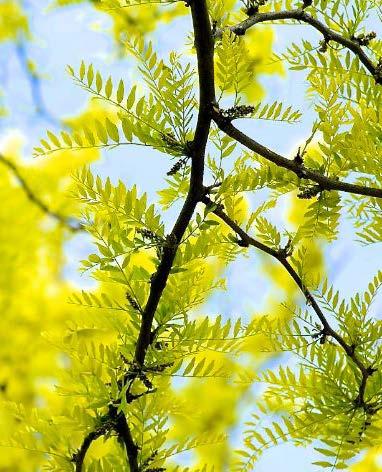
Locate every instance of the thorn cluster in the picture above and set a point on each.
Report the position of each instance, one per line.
(309, 192)
(177, 166)
(172, 143)
(134, 304)
(239, 111)
(148, 234)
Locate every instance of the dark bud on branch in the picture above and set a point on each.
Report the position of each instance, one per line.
(171, 241)
(323, 46)
(252, 6)
(242, 243)
(252, 10)
(214, 27)
(371, 370)
(364, 39)
(321, 336)
(378, 72)
(286, 251)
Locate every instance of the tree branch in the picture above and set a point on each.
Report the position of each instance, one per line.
(247, 240)
(204, 46)
(301, 15)
(79, 456)
(122, 429)
(37, 201)
(113, 421)
(325, 183)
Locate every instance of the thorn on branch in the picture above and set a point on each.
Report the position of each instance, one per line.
(287, 250)
(298, 159)
(210, 189)
(306, 3)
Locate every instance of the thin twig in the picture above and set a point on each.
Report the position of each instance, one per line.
(71, 225)
(301, 15)
(324, 182)
(246, 240)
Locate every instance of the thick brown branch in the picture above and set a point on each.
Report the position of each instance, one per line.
(303, 16)
(205, 51)
(122, 429)
(204, 46)
(72, 226)
(247, 240)
(325, 183)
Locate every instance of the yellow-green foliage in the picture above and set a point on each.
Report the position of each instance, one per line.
(73, 379)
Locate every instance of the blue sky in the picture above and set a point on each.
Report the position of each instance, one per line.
(79, 32)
